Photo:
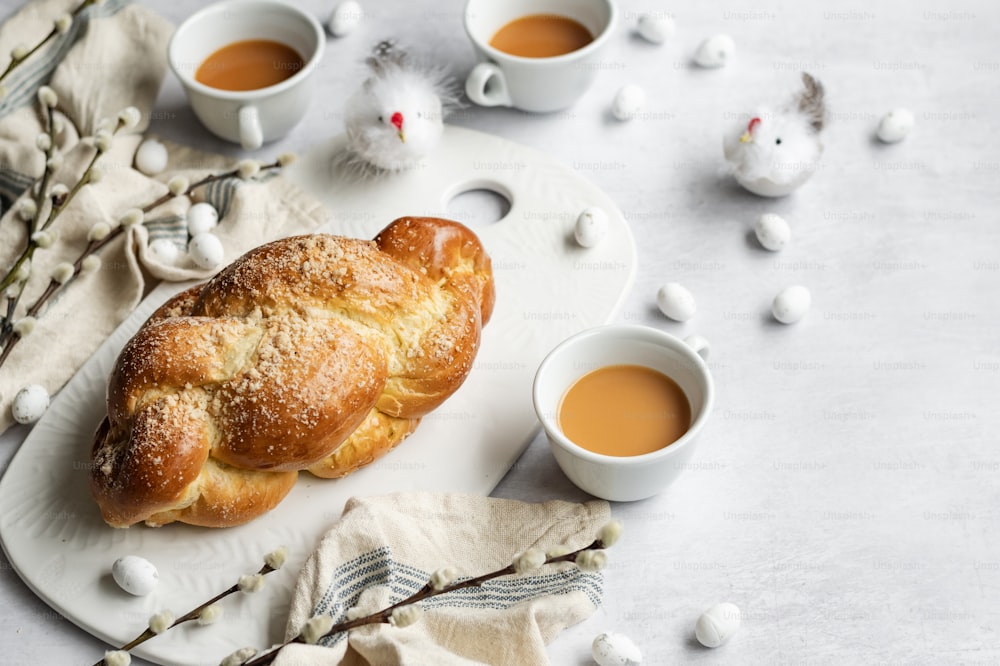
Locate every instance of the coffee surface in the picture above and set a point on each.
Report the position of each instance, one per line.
(624, 410)
(541, 36)
(249, 65)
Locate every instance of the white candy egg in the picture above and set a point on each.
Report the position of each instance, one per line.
(715, 51)
(345, 17)
(791, 304)
(136, 575)
(611, 649)
(164, 251)
(30, 403)
(151, 157)
(655, 28)
(676, 301)
(895, 125)
(202, 217)
(206, 251)
(628, 102)
(772, 232)
(591, 226)
(717, 625)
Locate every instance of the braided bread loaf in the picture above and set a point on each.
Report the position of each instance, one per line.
(316, 353)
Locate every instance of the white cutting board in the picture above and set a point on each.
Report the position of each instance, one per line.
(547, 288)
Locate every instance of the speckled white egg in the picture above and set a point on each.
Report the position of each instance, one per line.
(591, 226)
(717, 624)
(791, 304)
(772, 232)
(895, 125)
(676, 301)
(151, 157)
(655, 28)
(345, 18)
(628, 102)
(206, 251)
(164, 251)
(30, 403)
(613, 649)
(136, 575)
(715, 51)
(202, 217)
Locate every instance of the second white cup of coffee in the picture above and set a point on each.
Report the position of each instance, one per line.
(535, 84)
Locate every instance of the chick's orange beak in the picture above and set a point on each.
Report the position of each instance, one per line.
(748, 135)
(397, 122)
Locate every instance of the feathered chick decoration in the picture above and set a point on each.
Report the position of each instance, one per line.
(778, 150)
(397, 115)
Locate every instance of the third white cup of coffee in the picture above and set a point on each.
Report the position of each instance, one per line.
(537, 84)
(623, 478)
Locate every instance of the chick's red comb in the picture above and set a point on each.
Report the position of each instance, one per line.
(397, 120)
(753, 123)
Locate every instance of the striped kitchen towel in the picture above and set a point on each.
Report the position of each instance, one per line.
(385, 548)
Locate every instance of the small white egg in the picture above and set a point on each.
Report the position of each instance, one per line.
(655, 28)
(676, 301)
(151, 157)
(791, 304)
(715, 51)
(136, 575)
(202, 217)
(206, 251)
(30, 403)
(628, 102)
(895, 125)
(345, 18)
(591, 226)
(164, 251)
(772, 231)
(717, 624)
(612, 649)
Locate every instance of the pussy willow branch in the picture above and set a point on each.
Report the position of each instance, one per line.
(191, 615)
(16, 62)
(94, 246)
(7, 336)
(426, 592)
(43, 188)
(32, 245)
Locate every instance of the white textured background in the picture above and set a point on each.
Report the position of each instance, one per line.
(845, 495)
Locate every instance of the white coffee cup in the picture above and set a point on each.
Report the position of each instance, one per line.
(534, 84)
(247, 117)
(623, 478)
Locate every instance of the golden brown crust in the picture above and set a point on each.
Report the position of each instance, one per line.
(313, 352)
(377, 435)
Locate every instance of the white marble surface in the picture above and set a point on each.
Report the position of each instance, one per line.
(845, 494)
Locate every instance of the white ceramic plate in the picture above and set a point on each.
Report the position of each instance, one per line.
(547, 289)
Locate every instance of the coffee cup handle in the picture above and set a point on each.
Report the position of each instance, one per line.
(251, 135)
(486, 86)
(699, 345)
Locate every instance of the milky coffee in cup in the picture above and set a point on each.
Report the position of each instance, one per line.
(519, 68)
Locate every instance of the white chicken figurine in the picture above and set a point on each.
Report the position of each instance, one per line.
(778, 150)
(397, 116)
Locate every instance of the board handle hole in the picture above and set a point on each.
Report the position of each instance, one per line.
(479, 204)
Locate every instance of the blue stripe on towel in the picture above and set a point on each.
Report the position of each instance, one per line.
(173, 228)
(378, 567)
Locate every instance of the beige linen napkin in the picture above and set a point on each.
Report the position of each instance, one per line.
(113, 59)
(385, 548)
